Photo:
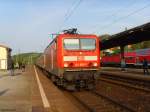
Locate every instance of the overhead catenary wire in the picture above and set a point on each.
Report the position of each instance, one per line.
(69, 10)
(69, 13)
(116, 12)
(124, 17)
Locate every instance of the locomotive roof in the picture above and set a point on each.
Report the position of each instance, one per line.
(67, 35)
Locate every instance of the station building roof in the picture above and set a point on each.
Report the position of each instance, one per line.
(4, 46)
(131, 36)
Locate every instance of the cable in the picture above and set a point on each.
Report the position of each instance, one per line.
(116, 12)
(124, 17)
(70, 12)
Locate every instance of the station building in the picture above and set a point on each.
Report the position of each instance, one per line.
(5, 55)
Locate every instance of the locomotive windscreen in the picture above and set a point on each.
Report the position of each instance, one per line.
(80, 44)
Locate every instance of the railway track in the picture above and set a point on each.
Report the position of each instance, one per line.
(132, 92)
(130, 82)
(125, 84)
(96, 102)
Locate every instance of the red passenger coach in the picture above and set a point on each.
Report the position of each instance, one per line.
(72, 59)
(134, 58)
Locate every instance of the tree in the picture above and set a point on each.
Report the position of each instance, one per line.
(104, 36)
(145, 44)
(142, 45)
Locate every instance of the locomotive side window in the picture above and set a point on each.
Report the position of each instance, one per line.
(88, 44)
(71, 44)
(79, 44)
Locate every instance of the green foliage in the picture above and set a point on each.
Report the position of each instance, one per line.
(26, 58)
(116, 51)
(142, 45)
(104, 37)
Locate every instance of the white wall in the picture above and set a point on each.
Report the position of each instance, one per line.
(3, 58)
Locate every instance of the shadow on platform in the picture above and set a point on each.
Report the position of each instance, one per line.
(15, 74)
(4, 76)
(3, 92)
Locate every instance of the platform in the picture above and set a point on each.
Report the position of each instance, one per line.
(129, 73)
(127, 70)
(14, 92)
(31, 91)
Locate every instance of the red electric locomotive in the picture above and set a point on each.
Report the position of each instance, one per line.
(72, 59)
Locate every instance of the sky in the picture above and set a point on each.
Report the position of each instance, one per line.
(26, 25)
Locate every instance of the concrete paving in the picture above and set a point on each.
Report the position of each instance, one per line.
(23, 93)
(15, 92)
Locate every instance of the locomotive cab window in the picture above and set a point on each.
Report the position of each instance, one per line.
(79, 44)
(71, 44)
(88, 44)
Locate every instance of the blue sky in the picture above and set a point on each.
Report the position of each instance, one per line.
(25, 24)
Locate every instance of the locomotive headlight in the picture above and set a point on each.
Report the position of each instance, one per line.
(65, 65)
(94, 64)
